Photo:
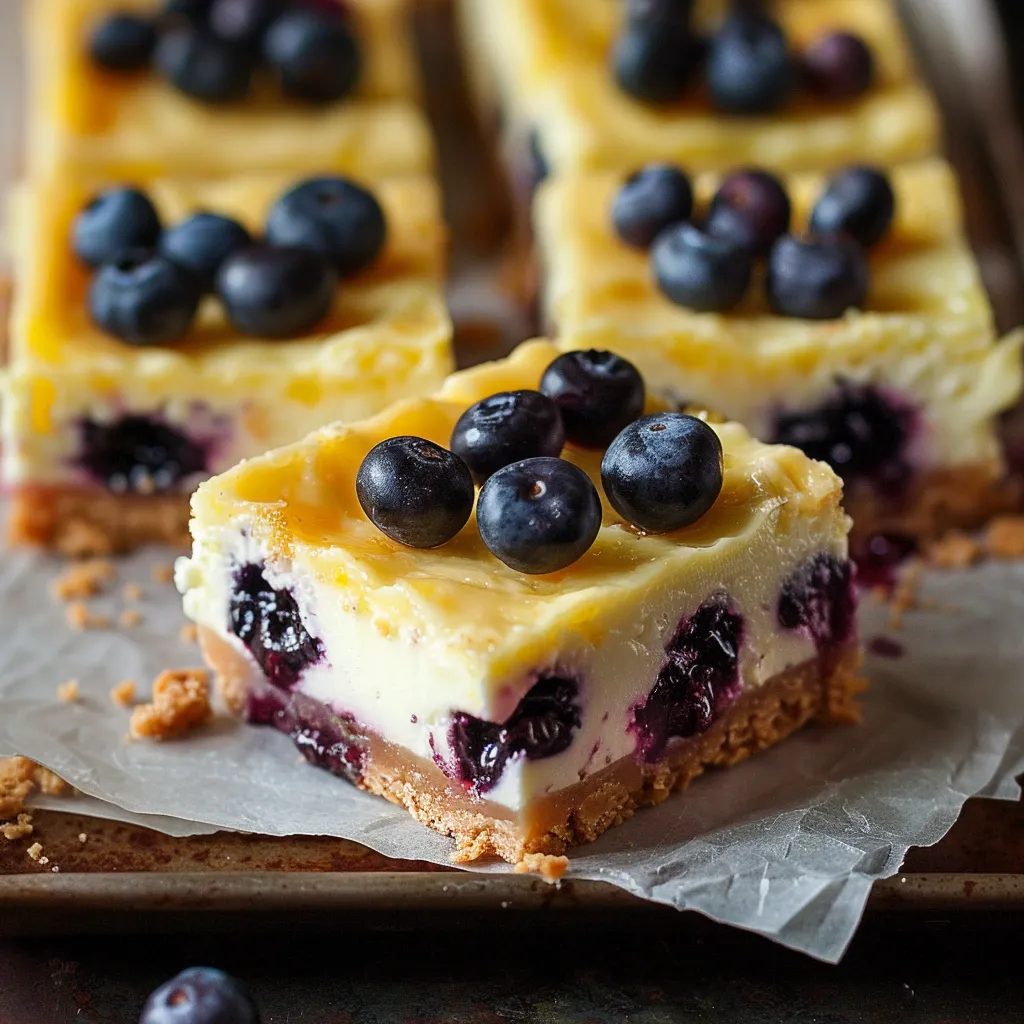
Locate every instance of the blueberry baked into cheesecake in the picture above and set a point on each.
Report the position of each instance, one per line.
(161, 333)
(530, 604)
(841, 313)
(145, 88)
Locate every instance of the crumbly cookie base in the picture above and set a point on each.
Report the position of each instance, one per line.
(580, 813)
(82, 522)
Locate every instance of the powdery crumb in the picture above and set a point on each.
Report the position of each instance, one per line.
(130, 617)
(904, 594)
(47, 782)
(80, 616)
(549, 867)
(133, 592)
(181, 701)
(17, 829)
(163, 573)
(86, 579)
(55, 869)
(1004, 537)
(35, 851)
(189, 633)
(956, 550)
(82, 837)
(68, 692)
(123, 695)
(44, 861)
(16, 782)
(79, 539)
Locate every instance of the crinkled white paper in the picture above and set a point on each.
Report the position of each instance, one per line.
(787, 844)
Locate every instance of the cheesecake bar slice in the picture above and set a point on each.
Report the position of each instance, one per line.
(900, 393)
(518, 710)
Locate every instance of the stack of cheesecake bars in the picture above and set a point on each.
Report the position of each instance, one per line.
(229, 241)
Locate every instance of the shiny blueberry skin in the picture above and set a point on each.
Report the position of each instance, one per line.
(750, 209)
(839, 66)
(123, 42)
(314, 54)
(200, 995)
(651, 199)
(507, 427)
(698, 270)
(597, 392)
(271, 291)
(114, 224)
(857, 202)
(654, 60)
(244, 22)
(332, 216)
(539, 515)
(749, 69)
(204, 67)
(144, 300)
(202, 242)
(414, 491)
(816, 279)
(663, 472)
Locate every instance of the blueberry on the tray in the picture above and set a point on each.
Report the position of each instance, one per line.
(750, 209)
(202, 66)
(859, 202)
(507, 427)
(598, 393)
(144, 300)
(706, 273)
(663, 471)
(273, 291)
(816, 279)
(123, 42)
(655, 59)
(332, 216)
(839, 66)
(650, 200)
(244, 22)
(114, 223)
(315, 55)
(415, 491)
(200, 995)
(749, 69)
(539, 515)
(202, 242)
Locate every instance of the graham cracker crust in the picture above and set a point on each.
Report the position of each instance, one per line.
(582, 812)
(91, 522)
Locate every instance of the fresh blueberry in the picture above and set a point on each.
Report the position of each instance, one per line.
(816, 279)
(505, 428)
(652, 199)
(332, 216)
(195, 11)
(839, 66)
(315, 55)
(597, 392)
(244, 22)
(123, 42)
(200, 995)
(698, 270)
(749, 69)
(272, 291)
(204, 67)
(144, 300)
(654, 60)
(750, 209)
(539, 515)
(663, 471)
(114, 224)
(202, 242)
(415, 491)
(857, 202)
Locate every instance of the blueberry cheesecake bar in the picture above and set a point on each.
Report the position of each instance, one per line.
(204, 88)
(530, 604)
(160, 334)
(842, 313)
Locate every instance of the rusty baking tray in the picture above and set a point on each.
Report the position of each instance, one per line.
(114, 876)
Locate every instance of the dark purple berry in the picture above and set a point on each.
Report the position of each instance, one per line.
(839, 66)
(195, 11)
(202, 242)
(244, 22)
(816, 279)
(314, 54)
(751, 210)
(652, 199)
(857, 202)
(641, 12)
(598, 393)
(200, 995)
(203, 66)
(700, 271)
(655, 60)
(700, 678)
(144, 300)
(114, 224)
(123, 42)
(820, 600)
(415, 491)
(505, 428)
(749, 69)
(272, 291)
(331, 216)
(539, 515)
(879, 556)
(269, 624)
(663, 472)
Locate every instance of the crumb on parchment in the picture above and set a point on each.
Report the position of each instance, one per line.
(123, 695)
(163, 572)
(80, 616)
(133, 592)
(129, 617)
(548, 866)
(79, 539)
(68, 692)
(18, 777)
(954, 550)
(904, 594)
(1004, 537)
(84, 579)
(189, 633)
(180, 701)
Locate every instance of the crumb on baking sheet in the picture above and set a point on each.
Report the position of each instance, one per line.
(123, 695)
(79, 539)
(548, 866)
(80, 616)
(181, 701)
(35, 851)
(129, 617)
(133, 592)
(68, 692)
(18, 829)
(189, 633)
(83, 837)
(1004, 537)
(954, 550)
(84, 579)
(163, 572)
